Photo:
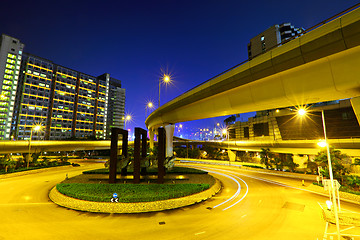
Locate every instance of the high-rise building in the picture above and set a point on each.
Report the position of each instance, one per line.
(65, 102)
(116, 108)
(271, 37)
(10, 60)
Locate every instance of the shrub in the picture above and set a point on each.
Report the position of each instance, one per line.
(353, 182)
(177, 170)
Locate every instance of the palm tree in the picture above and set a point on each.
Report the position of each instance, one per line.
(229, 120)
(266, 155)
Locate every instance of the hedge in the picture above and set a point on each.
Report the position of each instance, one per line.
(129, 192)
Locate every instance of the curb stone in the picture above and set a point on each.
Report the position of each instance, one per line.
(140, 207)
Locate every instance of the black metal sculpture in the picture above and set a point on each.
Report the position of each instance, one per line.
(161, 155)
(140, 139)
(115, 132)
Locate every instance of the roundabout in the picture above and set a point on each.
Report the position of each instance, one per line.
(90, 192)
(137, 207)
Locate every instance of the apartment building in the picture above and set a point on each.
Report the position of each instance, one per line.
(65, 102)
(11, 50)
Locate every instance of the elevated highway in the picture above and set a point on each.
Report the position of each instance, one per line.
(51, 146)
(350, 147)
(320, 65)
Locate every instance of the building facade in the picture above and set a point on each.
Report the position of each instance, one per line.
(116, 108)
(11, 50)
(65, 102)
(285, 124)
(271, 37)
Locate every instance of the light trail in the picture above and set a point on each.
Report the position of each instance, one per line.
(232, 177)
(236, 193)
(247, 190)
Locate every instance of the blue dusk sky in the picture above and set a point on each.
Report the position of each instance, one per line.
(135, 40)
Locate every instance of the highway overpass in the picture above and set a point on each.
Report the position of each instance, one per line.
(321, 65)
(350, 147)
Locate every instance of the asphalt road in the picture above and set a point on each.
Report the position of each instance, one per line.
(248, 207)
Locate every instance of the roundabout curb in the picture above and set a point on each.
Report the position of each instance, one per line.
(139, 207)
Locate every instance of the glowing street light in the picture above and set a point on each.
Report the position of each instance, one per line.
(322, 144)
(224, 131)
(127, 118)
(302, 112)
(165, 79)
(36, 128)
(149, 105)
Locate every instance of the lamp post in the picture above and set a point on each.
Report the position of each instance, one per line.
(36, 128)
(166, 79)
(302, 112)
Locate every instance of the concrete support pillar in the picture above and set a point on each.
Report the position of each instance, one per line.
(355, 103)
(169, 130)
(151, 136)
(232, 155)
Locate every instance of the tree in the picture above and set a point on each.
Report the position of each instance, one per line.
(277, 161)
(289, 162)
(213, 153)
(353, 182)
(266, 155)
(229, 120)
(311, 166)
(337, 162)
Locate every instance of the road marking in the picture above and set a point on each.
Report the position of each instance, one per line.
(199, 233)
(243, 216)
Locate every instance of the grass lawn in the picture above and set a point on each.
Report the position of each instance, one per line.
(129, 192)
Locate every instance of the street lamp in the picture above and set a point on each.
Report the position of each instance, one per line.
(148, 105)
(302, 112)
(127, 118)
(36, 129)
(165, 79)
